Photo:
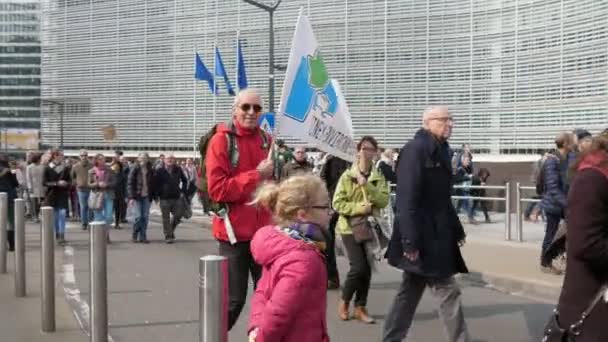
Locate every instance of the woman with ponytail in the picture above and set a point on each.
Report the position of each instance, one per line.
(290, 301)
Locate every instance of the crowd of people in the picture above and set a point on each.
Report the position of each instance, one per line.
(101, 189)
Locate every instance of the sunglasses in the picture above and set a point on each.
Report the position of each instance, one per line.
(245, 107)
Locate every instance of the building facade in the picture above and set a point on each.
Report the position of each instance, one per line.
(19, 75)
(514, 72)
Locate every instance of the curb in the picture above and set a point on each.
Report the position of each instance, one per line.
(534, 289)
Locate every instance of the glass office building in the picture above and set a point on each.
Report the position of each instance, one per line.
(19, 75)
(514, 72)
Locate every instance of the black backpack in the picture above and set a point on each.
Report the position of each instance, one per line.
(210, 206)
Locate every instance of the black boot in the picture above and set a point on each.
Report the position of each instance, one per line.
(10, 237)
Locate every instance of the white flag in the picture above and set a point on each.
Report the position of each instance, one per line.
(312, 106)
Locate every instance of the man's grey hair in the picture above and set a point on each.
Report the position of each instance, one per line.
(83, 151)
(428, 112)
(248, 91)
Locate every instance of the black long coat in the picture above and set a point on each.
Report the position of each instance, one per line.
(426, 220)
(587, 254)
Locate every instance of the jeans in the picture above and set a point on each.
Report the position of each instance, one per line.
(83, 201)
(240, 264)
(550, 230)
(483, 206)
(141, 219)
(60, 214)
(401, 314)
(359, 277)
(105, 214)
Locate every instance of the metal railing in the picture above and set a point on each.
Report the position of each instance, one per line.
(519, 200)
(506, 199)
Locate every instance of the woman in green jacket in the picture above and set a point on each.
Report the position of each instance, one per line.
(361, 192)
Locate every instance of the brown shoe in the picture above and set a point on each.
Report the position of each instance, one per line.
(550, 270)
(361, 314)
(343, 310)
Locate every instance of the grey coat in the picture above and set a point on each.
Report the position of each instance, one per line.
(34, 174)
(109, 179)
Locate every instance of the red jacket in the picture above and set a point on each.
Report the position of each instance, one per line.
(290, 301)
(236, 186)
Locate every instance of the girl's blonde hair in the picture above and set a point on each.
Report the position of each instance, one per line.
(286, 198)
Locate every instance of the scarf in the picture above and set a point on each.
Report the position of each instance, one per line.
(307, 232)
(597, 160)
(100, 173)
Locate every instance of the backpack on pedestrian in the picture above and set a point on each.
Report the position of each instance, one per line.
(210, 206)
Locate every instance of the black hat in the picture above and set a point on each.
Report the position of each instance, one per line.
(581, 133)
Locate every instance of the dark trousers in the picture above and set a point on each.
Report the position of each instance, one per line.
(172, 215)
(401, 314)
(359, 275)
(240, 264)
(550, 230)
(484, 208)
(120, 208)
(330, 252)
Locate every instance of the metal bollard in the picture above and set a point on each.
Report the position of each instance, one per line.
(519, 215)
(99, 282)
(508, 211)
(213, 299)
(47, 227)
(20, 248)
(3, 233)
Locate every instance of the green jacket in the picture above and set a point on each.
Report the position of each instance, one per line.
(348, 199)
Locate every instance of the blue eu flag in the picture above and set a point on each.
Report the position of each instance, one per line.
(202, 73)
(240, 67)
(220, 71)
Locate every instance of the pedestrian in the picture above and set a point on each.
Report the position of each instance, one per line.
(427, 235)
(481, 179)
(141, 193)
(119, 191)
(582, 140)
(587, 253)
(102, 182)
(191, 175)
(160, 162)
(126, 168)
(555, 194)
(291, 255)
(464, 178)
(332, 169)
(172, 185)
(298, 165)
(57, 180)
(34, 173)
(386, 165)
(362, 192)
(233, 187)
(80, 177)
(9, 185)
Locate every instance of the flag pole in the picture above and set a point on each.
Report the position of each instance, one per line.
(214, 82)
(194, 106)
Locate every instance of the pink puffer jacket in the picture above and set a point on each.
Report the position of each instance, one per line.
(289, 304)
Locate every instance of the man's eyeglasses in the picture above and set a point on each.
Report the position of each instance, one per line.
(245, 107)
(443, 119)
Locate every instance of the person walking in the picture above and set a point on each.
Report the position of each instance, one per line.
(361, 192)
(331, 171)
(233, 187)
(172, 185)
(141, 193)
(102, 182)
(554, 197)
(9, 185)
(119, 192)
(298, 165)
(427, 234)
(291, 255)
(386, 165)
(34, 173)
(80, 177)
(57, 180)
(587, 253)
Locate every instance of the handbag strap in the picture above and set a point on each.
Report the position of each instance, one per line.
(576, 327)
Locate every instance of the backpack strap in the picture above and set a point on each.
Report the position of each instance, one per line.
(233, 149)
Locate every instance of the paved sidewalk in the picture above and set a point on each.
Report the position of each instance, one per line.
(20, 318)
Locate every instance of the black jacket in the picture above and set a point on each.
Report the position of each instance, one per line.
(171, 184)
(57, 196)
(8, 182)
(332, 171)
(387, 172)
(135, 182)
(554, 199)
(426, 220)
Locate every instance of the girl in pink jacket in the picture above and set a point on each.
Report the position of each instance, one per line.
(290, 301)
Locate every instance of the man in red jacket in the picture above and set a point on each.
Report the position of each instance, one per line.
(234, 186)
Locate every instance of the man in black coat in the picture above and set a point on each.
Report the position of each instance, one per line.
(427, 235)
(172, 185)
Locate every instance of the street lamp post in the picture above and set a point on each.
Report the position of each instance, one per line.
(271, 67)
